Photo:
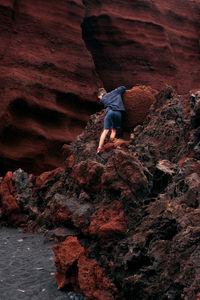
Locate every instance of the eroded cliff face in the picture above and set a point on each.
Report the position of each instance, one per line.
(47, 81)
(145, 42)
(54, 55)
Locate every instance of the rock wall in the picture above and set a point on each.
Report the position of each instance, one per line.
(144, 42)
(47, 82)
(54, 55)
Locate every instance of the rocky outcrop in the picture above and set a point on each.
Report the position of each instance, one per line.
(127, 220)
(83, 274)
(55, 55)
(165, 130)
(16, 198)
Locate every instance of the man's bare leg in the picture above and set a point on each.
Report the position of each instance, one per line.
(113, 134)
(102, 138)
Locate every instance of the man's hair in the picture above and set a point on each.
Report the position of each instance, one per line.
(101, 91)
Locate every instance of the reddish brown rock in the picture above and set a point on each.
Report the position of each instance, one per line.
(84, 275)
(123, 173)
(165, 133)
(93, 281)
(88, 174)
(117, 143)
(67, 254)
(70, 161)
(137, 102)
(148, 42)
(59, 212)
(46, 73)
(108, 221)
(63, 211)
(46, 185)
(45, 178)
(8, 196)
(11, 210)
(81, 217)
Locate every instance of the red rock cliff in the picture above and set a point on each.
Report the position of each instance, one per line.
(54, 55)
(47, 81)
(145, 42)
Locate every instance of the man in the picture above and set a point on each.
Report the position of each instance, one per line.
(114, 107)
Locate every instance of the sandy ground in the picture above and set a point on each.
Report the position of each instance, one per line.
(27, 268)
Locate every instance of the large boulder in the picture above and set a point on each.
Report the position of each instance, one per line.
(74, 269)
(137, 102)
(16, 205)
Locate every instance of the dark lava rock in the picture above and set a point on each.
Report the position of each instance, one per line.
(131, 215)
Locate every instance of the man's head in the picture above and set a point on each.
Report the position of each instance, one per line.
(100, 93)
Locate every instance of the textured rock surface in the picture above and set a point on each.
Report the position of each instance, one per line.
(137, 235)
(127, 219)
(55, 55)
(8, 196)
(108, 221)
(93, 280)
(43, 81)
(144, 42)
(67, 254)
(74, 269)
(137, 101)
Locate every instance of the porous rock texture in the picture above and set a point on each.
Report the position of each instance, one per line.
(128, 220)
(137, 101)
(55, 54)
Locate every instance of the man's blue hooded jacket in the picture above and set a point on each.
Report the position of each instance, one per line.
(113, 100)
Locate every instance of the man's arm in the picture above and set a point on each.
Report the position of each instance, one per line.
(102, 101)
(120, 89)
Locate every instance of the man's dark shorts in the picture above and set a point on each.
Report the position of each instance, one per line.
(113, 119)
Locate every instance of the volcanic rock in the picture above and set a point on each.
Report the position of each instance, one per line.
(93, 280)
(108, 221)
(67, 254)
(88, 174)
(137, 102)
(16, 199)
(137, 235)
(165, 132)
(125, 173)
(73, 267)
(8, 196)
(59, 234)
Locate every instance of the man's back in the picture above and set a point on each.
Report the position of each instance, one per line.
(113, 100)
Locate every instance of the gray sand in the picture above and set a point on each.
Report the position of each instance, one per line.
(27, 268)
